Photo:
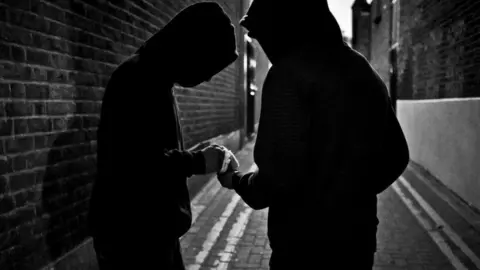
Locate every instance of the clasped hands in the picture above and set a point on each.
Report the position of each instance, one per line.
(220, 160)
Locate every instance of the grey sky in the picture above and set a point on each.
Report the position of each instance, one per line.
(342, 10)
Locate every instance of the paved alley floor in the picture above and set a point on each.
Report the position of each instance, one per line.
(227, 234)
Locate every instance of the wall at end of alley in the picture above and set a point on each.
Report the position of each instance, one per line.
(437, 82)
(443, 137)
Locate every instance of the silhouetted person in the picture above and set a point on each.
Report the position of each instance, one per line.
(140, 203)
(326, 128)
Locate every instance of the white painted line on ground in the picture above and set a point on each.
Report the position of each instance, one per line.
(438, 100)
(467, 215)
(209, 189)
(207, 193)
(235, 234)
(439, 221)
(435, 235)
(214, 233)
(202, 192)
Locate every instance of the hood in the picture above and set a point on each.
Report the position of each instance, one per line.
(200, 39)
(279, 25)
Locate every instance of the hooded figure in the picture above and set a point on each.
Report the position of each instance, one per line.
(140, 203)
(322, 128)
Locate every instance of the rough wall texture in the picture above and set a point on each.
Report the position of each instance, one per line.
(380, 38)
(361, 21)
(56, 57)
(439, 45)
(437, 53)
(438, 58)
(362, 41)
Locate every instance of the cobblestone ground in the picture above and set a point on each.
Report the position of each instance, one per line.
(227, 234)
(402, 242)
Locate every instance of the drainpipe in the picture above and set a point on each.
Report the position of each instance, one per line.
(393, 59)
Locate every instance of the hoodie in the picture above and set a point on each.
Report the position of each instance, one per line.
(140, 191)
(322, 124)
(282, 26)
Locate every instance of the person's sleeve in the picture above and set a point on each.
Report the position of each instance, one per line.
(281, 145)
(253, 188)
(187, 163)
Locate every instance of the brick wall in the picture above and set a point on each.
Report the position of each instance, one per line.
(380, 38)
(439, 45)
(362, 44)
(55, 60)
(361, 21)
(437, 53)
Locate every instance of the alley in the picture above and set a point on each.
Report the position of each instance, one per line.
(227, 234)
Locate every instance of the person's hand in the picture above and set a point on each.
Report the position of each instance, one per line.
(230, 161)
(234, 164)
(214, 156)
(226, 178)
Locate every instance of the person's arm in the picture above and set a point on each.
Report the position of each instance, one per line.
(187, 163)
(281, 145)
(253, 188)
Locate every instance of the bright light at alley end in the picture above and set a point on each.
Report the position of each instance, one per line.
(251, 64)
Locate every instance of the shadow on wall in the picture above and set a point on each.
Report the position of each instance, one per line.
(406, 79)
(70, 170)
(71, 162)
(50, 219)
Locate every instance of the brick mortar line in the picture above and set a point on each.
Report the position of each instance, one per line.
(71, 27)
(206, 91)
(131, 14)
(158, 10)
(67, 116)
(72, 100)
(32, 82)
(27, 135)
(88, 19)
(41, 168)
(132, 3)
(26, 64)
(36, 49)
(205, 117)
(210, 109)
(203, 88)
(205, 121)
